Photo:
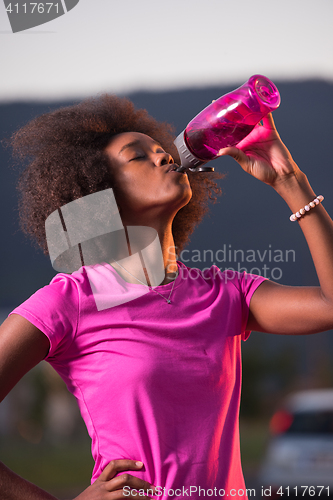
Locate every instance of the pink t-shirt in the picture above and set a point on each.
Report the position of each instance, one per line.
(155, 382)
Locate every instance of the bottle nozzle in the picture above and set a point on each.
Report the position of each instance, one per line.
(202, 168)
(181, 169)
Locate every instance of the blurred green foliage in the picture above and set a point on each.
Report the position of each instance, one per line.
(63, 471)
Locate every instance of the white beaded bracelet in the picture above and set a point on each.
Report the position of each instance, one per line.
(307, 208)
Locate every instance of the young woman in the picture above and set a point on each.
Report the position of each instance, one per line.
(156, 377)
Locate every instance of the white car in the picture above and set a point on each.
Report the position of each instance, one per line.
(299, 458)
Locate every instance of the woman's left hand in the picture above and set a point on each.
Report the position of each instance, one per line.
(263, 154)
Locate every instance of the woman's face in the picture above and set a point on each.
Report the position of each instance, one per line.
(145, 183)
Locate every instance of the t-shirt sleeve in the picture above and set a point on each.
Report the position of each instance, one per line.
(243, 285)
(248, 284)
(54, 310)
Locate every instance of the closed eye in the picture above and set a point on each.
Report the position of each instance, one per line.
(138, 158)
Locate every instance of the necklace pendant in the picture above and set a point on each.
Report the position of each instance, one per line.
(150, 287)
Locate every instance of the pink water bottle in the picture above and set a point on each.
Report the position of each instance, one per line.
(225, 122)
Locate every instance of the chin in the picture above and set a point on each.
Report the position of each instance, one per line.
(188, 195)
(186, 199)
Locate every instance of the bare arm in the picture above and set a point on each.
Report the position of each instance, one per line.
(283, 309)
(23, 346)
(14, 487)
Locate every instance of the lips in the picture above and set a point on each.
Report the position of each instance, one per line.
(172, 168)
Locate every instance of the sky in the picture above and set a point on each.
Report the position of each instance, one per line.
(122, 46)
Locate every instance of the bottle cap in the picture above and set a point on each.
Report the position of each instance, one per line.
(188, 160)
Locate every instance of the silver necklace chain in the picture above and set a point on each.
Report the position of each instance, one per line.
(168, 300)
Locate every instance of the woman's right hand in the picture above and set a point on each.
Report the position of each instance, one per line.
(109, 486)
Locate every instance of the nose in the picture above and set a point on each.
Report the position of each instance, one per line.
(163, 159)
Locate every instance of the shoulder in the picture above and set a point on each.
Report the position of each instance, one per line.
(56, 306)
(228, 278)
(228, 285)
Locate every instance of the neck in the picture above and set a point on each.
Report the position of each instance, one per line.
(148, 256)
